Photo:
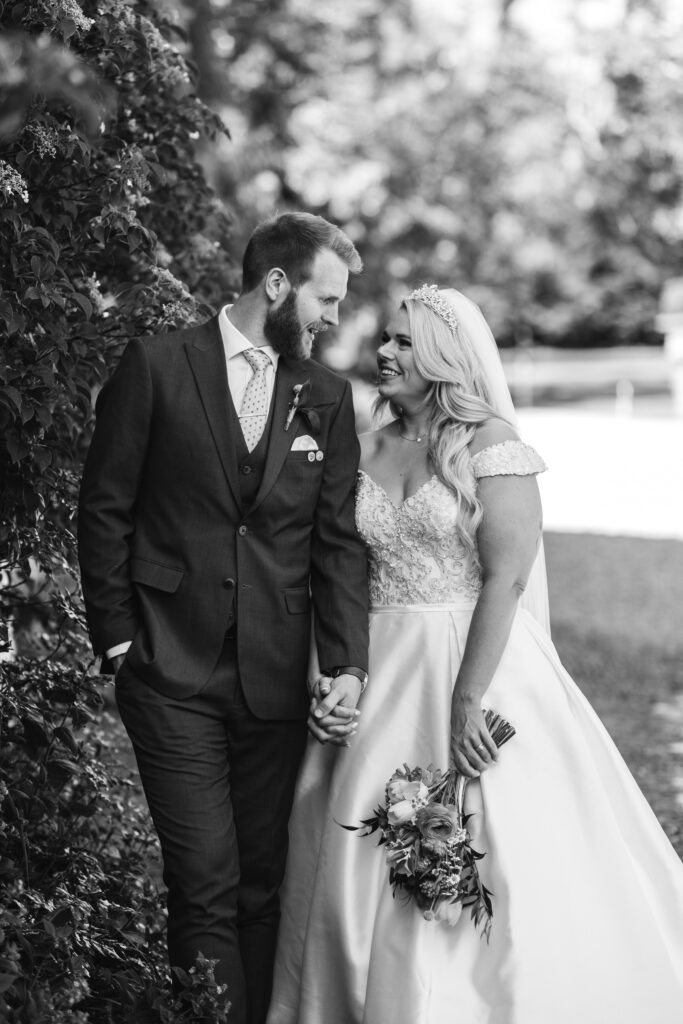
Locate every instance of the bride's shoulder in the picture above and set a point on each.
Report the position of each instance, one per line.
(496, 450)
(490, 432)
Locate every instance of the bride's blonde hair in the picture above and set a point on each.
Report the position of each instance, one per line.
(458, 402)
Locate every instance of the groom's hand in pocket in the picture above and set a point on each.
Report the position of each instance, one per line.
(333, 715)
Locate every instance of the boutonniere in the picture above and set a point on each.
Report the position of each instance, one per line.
(301, 393)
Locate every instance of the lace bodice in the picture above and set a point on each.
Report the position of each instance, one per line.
(415, 554)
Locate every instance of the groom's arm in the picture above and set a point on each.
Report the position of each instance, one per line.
(338, 557)
(111, 482)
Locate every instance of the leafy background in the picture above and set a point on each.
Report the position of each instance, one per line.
(108, 228)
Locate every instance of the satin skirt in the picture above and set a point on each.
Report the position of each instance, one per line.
(587, 889)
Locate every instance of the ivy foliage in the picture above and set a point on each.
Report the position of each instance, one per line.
(108, 229)
(82, 923)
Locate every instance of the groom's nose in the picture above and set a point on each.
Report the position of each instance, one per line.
(331, 316)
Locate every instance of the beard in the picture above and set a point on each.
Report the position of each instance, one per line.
(284, 330)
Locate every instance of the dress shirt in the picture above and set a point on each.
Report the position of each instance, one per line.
(239, 374)
(239, 370)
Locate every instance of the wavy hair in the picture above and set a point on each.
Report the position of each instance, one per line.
(291, 241)
(458, 401)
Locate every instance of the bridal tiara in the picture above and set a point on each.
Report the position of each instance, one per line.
(429, 294)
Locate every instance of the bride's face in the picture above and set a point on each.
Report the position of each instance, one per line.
(399, 379)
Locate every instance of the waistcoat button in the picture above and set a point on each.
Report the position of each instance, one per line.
(242, 531)
(228, 583)
(246, 470)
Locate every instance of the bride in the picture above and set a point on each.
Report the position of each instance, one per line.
(587, 891)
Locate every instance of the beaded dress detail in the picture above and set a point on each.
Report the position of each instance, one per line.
(415, 554)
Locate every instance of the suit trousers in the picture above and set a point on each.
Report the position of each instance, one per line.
(219, 783)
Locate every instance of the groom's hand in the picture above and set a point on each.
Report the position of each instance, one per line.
(333, 715)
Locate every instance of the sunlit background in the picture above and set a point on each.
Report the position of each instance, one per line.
(529, 153)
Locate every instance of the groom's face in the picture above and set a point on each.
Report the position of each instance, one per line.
(292, 323)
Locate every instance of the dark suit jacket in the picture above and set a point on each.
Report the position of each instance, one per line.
(166, 546)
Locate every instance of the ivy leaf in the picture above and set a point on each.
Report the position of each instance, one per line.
(68, 27)
(84, 303)
(7, 980)
(17, 449)
(42, 457)
(13, 396)
(62, 768)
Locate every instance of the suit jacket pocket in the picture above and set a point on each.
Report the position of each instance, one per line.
(297, 600)
(153, 574)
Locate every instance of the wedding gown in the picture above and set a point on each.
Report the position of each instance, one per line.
(587, 891)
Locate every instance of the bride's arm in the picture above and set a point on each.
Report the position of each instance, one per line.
(507, 540)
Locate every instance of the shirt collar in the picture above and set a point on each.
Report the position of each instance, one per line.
(234, 342)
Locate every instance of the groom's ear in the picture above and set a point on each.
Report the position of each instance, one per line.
(277, 284)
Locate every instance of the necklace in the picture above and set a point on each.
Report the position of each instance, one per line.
(415, 440)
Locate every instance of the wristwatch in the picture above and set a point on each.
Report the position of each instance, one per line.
(351, 670)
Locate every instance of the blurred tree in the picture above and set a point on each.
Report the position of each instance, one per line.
(632, 177)
(457, 145)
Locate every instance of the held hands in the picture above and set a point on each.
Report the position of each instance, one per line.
(333, 716)
(472, 747)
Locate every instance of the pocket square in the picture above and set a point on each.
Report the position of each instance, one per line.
(305, 443)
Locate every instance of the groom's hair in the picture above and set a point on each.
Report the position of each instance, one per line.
(291, 241)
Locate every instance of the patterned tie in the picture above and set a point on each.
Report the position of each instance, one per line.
(254, 411)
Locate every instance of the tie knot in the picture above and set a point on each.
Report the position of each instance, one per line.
(257, 360)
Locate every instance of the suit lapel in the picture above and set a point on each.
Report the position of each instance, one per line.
(207, 361)
(289, 373)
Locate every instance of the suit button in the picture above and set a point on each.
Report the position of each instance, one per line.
(242, 531)
(246, 470)
(228, 583)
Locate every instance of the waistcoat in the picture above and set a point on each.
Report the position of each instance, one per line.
(251, 464)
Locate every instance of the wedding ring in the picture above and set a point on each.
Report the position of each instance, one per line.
(480, 747)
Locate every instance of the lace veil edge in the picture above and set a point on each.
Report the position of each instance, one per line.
(472, 322)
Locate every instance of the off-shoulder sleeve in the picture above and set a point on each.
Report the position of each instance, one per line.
(507, 458)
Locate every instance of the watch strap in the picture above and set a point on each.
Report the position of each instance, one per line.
(351, 670)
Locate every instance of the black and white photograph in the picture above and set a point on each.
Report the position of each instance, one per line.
(341, 511)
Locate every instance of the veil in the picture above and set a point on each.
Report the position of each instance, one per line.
(471, 321)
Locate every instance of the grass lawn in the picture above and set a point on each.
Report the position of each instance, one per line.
(617, 617)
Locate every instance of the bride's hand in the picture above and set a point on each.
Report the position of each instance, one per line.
(472, 747)
(333, 717)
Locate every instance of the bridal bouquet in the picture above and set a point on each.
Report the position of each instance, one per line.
(428, 848)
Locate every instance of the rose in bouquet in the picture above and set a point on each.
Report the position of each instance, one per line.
(429, 851)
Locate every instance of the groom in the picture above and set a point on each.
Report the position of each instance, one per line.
(216, 511)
